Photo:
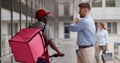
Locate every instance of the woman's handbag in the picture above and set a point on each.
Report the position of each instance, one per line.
(107, 56)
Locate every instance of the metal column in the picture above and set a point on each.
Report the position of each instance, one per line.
(26, 13)
(56, 21)
(31, 12)
(0, 28)
(12, 24)
(20, 13)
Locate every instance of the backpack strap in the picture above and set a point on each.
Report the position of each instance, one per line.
(46, 42)
(43, 28)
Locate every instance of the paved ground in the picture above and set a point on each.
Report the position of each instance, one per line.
(68, 47)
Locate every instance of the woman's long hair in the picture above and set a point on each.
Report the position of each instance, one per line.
(102, 24)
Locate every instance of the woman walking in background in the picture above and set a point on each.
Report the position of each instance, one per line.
(101, 41)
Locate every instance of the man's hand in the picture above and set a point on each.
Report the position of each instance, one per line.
(96, 45)
(75, 20)
(106, 47)
(60, 54)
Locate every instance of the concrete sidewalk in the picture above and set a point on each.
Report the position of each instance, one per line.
(68, 47)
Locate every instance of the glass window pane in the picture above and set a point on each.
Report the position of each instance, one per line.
(9, 29)
(66, 30)
(117, 3)
(110, 3)
(23, 14)
(15, 28)
(16, 14)
(67, 36)
(96, 26)
(114, 28)
(109, 27)
(66, 9)
(66, 23)
(96, 3)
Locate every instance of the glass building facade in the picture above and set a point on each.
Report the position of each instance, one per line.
(18, 14)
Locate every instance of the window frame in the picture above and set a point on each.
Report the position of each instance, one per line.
(96, 3)
(109, 4)
(111, 28)
(66, 35)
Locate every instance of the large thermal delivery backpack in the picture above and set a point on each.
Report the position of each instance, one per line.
(28, 45)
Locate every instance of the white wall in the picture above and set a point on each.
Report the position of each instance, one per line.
(105, 13)
(4, 26)
(4, 29)
(118, 28)
(6, 15)
(61, 30)
(100, 12)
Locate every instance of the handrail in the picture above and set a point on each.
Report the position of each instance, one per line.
(116, 56)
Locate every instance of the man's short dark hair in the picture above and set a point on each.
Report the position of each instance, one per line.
(85, 5)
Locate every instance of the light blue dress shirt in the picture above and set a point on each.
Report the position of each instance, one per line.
(102, 37)
(86, 31)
